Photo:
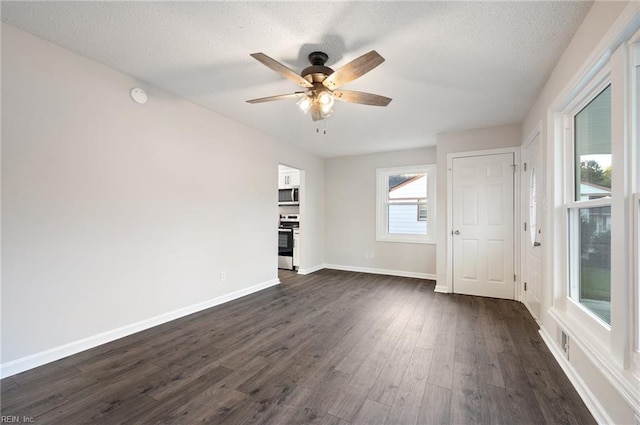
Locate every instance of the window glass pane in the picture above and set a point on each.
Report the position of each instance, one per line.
(593, 148)
(595, 260)
(406, 195)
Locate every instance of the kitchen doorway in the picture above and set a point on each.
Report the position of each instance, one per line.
(289, 217)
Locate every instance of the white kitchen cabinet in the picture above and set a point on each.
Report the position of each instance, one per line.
(288, 179)
(296, 248)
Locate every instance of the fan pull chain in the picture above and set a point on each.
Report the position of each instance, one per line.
(324, 130)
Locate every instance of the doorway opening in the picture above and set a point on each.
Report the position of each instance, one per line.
(289, 200)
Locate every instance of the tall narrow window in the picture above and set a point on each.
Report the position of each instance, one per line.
(405, 204)
(590, 211)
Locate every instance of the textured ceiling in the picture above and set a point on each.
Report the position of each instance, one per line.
(449, 65)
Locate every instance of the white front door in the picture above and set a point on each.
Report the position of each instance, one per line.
(532, 194)
(483, 217)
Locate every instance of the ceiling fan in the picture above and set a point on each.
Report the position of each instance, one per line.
(321, 83)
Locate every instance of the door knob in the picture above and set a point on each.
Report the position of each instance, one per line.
(536, 244)
(456, 232)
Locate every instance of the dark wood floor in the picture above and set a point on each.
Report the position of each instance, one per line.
(328, 348)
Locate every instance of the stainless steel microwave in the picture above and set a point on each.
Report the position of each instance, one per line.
(289, 196)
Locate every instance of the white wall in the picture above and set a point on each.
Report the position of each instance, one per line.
(463, 141)
(117, 215)
(350, 216)
(599, 19)
(601, 392)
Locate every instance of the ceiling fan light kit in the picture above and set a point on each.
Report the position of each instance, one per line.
(320, 83)
(305, 103)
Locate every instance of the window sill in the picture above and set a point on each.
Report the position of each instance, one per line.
(595, 325)
(401, 239)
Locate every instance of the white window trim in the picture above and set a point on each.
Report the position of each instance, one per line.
(382, 175)
(634, 167)
(600, 331)
(571, 205)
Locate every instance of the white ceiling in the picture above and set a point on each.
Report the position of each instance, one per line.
(449, 66)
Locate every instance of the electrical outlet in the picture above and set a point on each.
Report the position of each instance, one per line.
(564, 341)
(365, 254)
(223, 276)
(372, 255)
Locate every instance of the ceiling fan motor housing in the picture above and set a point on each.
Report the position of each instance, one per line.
(317, 72)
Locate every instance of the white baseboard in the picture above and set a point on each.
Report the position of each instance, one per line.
(443, 289)
(590, 400)
(531, 312)
(311, 269)
(381, 271)
(38, 359)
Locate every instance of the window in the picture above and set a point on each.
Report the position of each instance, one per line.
(589, 210)
(594, 153)
(406, 204)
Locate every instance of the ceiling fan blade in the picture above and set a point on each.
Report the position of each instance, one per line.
(281, 69)
(361, 97)
(278, 97)
(316, 114)
(354, 69)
